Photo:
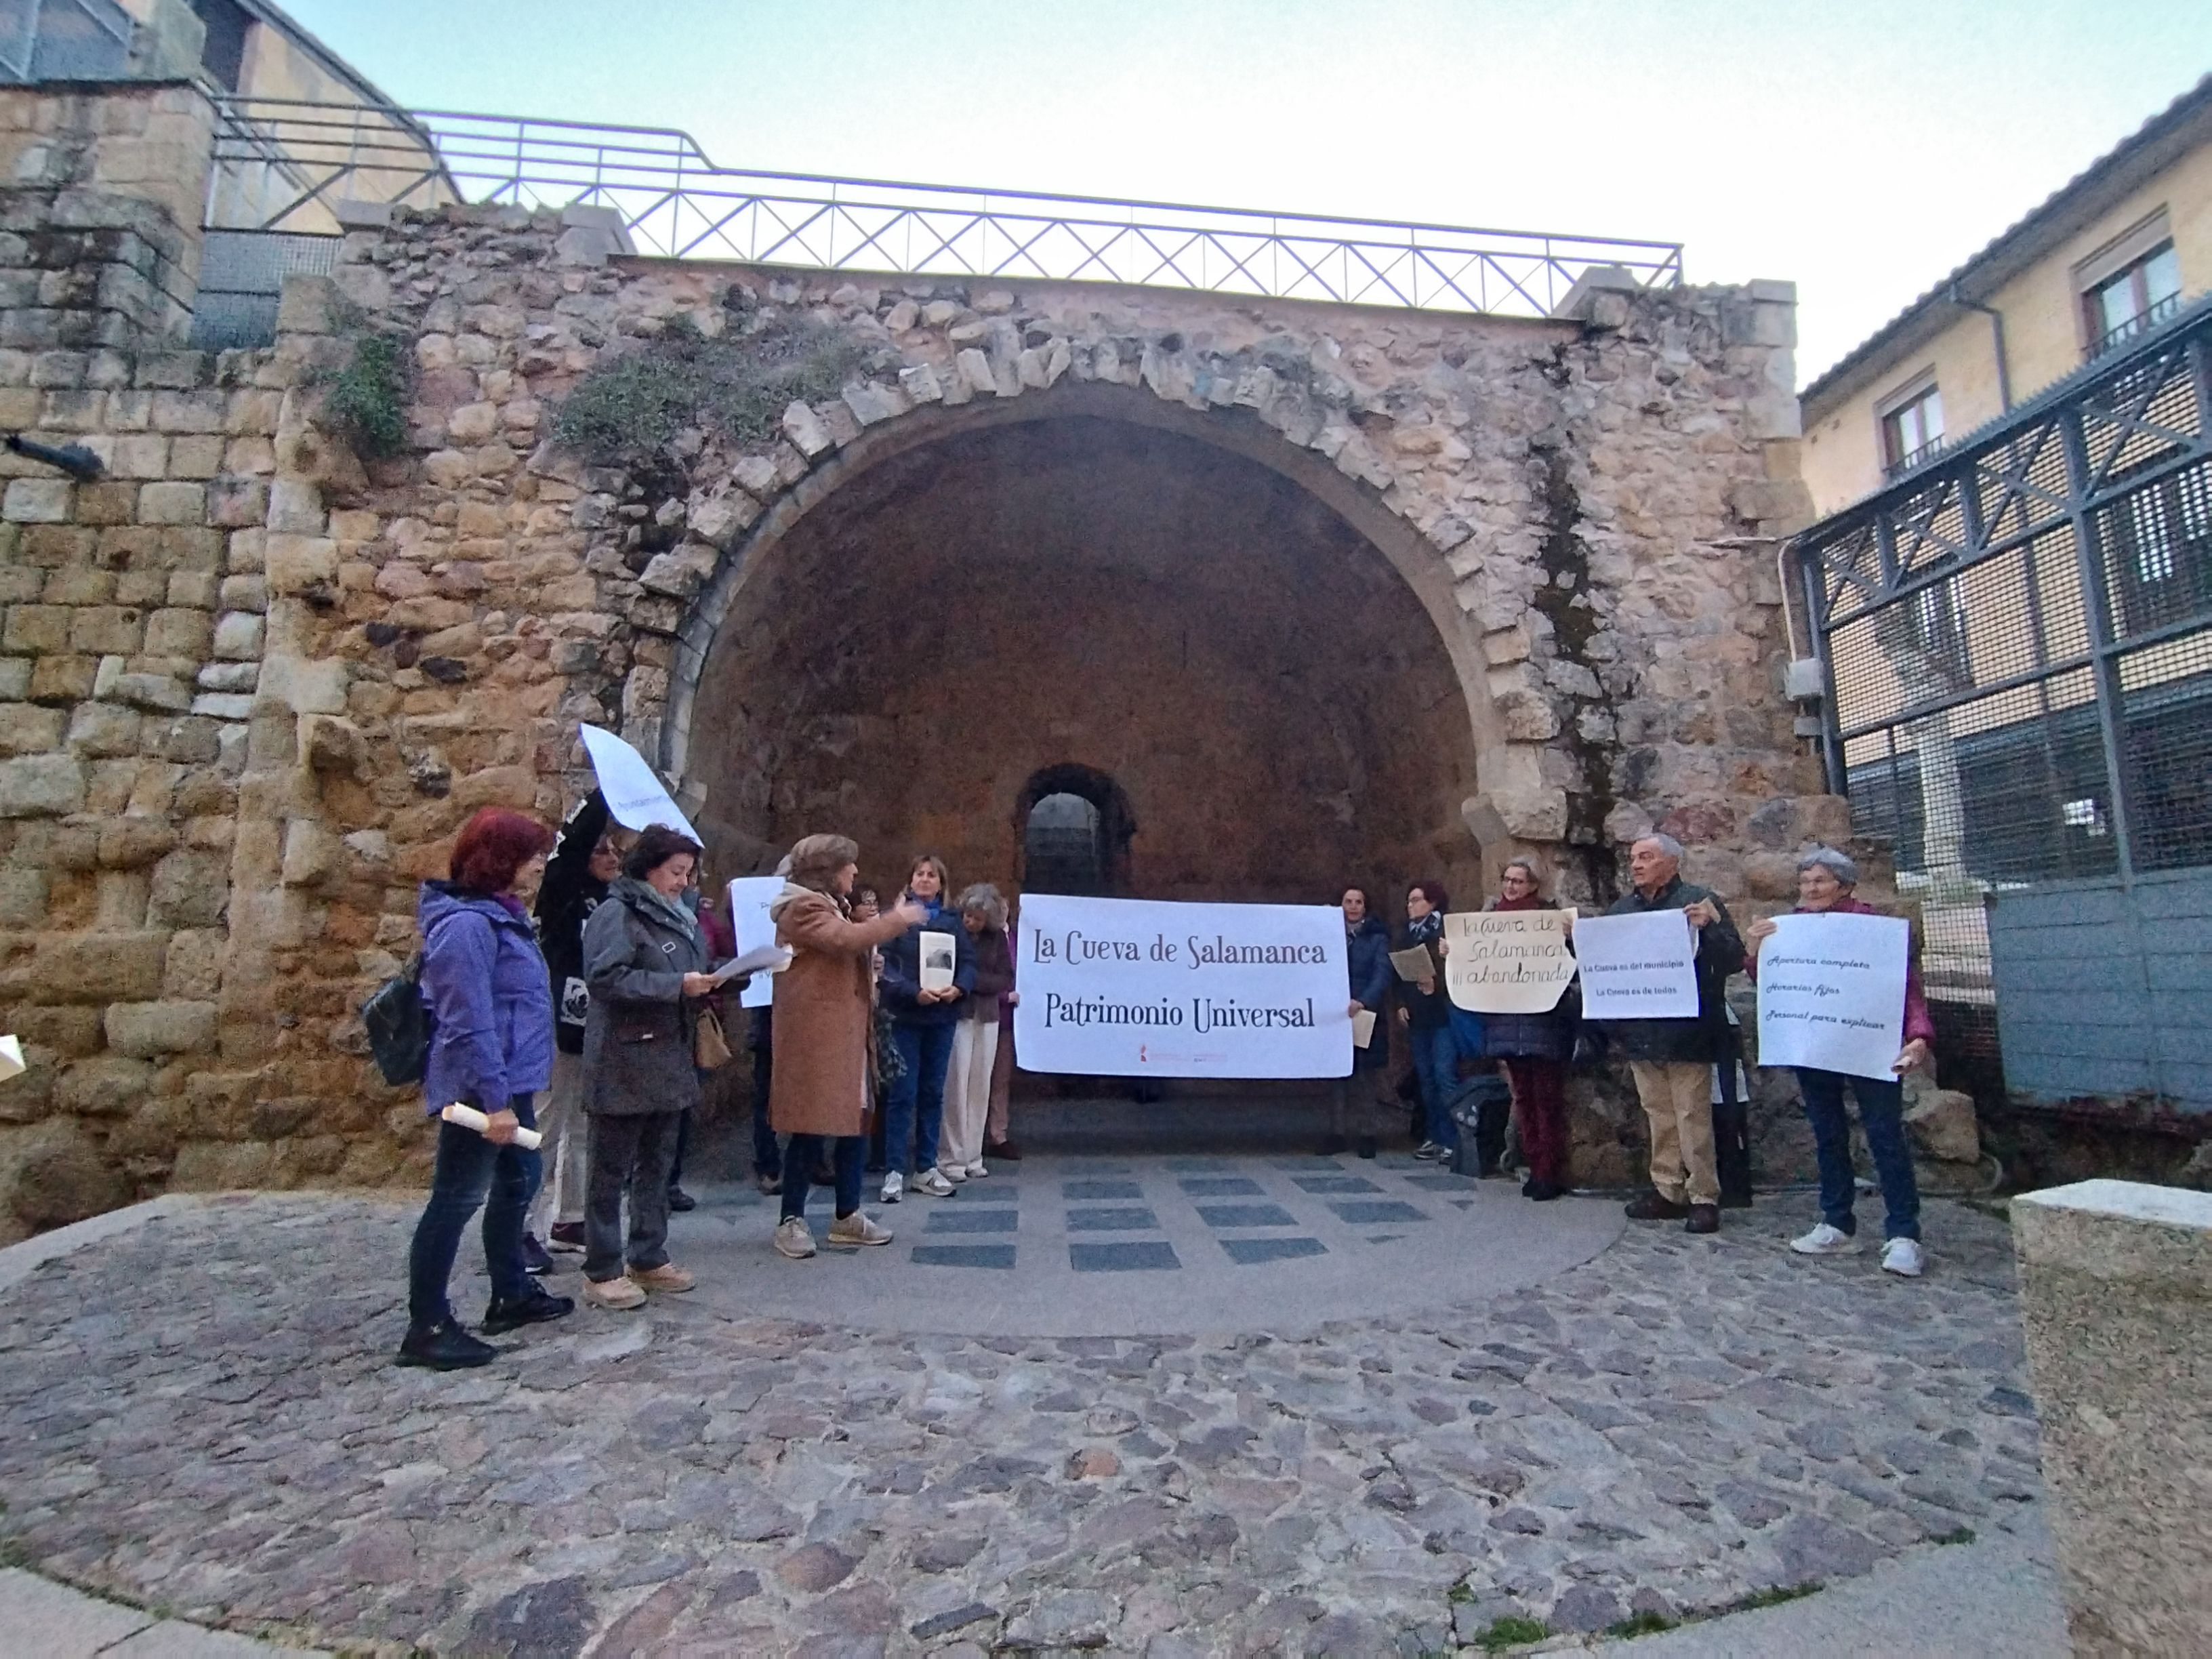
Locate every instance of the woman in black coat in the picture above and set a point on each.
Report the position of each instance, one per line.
(1361, 1104)
(1535, 1049)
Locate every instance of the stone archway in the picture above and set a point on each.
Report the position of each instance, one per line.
(902, 653)
(1112, 825)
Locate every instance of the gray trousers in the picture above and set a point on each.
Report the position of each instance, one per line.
(1363, 1106)
(630, 1155)
(561, 1120)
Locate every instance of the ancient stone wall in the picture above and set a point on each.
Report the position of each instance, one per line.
(251, 684)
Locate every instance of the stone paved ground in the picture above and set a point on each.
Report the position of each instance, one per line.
(199, 1415)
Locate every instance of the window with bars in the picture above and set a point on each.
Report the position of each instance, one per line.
(2138, 296)
(1913, 431)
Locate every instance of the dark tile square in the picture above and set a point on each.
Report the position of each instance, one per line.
(990, 1192)
(1334, 1183)
(1246, 1215)
(1127, 1219)
(1244, 1252)
(1304, 1165)
(1101, 1189)
(1221, 1187)
(991, 1220)
(1199, 1165)
(1121, 1258)
(1361, 1213)
(1441, 1183)
(963, 1255)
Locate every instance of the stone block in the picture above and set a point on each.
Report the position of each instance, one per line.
(304, 685)
(14, 678)
(299, 564)
(149, 1030)
(71, 968)
(2116, 1301)
(107, 630)
(172, 503)
(1942, 1126)
(63, 1179)
(41, 785)
(159, 693)
(1538, 814)
(238, 635)
(37, 628)
(310, 852)
(806, 430)
(37, 500)
(190, 889)
(134, 840)
(173, 632)
(498, 786)
(27, 729)
(104, 729)
(22, 897)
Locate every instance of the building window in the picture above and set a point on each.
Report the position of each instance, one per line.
(1913, 431)
(223, 53)
(2138, 296)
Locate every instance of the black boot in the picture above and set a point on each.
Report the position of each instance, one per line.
(1367, 1148)
(533, 1307)
(444, 1346)
(680, 1201)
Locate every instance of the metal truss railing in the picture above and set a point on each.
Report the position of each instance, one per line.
(675, 202)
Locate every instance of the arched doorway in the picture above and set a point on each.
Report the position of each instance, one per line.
(1075, 827)
(1238, 664)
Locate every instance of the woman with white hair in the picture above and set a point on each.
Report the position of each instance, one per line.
(976, 1038)
(1825, 880)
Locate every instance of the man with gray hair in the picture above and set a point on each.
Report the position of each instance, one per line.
(1672, 1059)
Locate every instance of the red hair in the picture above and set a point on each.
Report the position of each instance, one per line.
(493, 846)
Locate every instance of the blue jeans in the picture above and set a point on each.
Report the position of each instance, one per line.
(1882, 1112)
(914, 1110)
(1435, 1064)
(470, 1170)
(849, 1152)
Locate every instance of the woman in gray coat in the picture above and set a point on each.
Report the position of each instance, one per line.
(645, 962)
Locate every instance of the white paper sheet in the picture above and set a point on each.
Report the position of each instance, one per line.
(635, 799)
(749, 897)
(1831, 993)
(1637, 967)
(1507, 962)
(940, 957)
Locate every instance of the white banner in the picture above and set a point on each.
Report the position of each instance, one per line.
(1140, 988)
(1637, 967)
(635, 799)
(1507, 962)
(1831, 993)
(749, 921)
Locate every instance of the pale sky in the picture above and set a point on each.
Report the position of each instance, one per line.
(1863, 148)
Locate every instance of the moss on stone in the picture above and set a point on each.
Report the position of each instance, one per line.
(367, 400)
(628, 410)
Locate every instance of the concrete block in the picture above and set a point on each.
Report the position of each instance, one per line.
(2115, 1283)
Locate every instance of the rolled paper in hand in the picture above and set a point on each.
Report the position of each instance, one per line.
(468, 1118)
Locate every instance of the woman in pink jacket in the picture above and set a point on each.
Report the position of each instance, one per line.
(1825, 880)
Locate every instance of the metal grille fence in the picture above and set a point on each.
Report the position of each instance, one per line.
(63, 40)
(242, 279)
(2017, 640)
(674, 202)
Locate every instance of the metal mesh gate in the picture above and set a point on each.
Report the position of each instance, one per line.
(2018, 642)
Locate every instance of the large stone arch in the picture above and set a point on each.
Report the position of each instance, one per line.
(1416, 560)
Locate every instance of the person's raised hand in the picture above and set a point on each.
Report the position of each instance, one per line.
(910, 912)
(1761, 930)
(1914, 1057)
(1701, 913)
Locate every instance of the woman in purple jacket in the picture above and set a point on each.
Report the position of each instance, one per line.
(491, 1047)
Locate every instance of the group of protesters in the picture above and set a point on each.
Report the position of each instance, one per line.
(607, 1008)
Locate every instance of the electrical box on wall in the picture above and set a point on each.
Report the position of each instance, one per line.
(1802, 679)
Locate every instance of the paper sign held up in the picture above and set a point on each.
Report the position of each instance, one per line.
(635, 799)
(1831, 993)
(1638, 967)
(1507, 962)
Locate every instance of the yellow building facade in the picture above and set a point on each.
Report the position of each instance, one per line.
(2115, 251)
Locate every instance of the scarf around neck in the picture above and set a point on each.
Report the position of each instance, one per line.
(649, 898)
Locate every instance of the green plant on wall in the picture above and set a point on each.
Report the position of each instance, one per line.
(367, 400)
(628, 410)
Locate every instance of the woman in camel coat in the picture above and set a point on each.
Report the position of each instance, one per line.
(824, 1010)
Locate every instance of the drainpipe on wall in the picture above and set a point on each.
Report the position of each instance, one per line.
(1996, 338)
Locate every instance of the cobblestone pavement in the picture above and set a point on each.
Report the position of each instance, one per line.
(199, 1415)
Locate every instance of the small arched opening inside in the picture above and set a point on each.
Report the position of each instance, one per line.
(1075, 826)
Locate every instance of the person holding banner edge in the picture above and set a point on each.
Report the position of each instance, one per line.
(1367, 962)
(1825, 880)
(1672, 1059)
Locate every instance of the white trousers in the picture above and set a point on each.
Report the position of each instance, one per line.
(967, 1093)
(561, 1120)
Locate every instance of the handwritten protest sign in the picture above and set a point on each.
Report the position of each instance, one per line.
(1831, 993)
(1507, 962)
(1637, 967)
(635, 799)
(1130, 988)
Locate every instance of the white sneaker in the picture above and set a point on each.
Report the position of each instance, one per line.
(794, 1239)
(930, 1184)
(1902, 1256)
(955, 1173)
(893, 1184)
(976, 1172)
(1824, 1240)
(858, 1229)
